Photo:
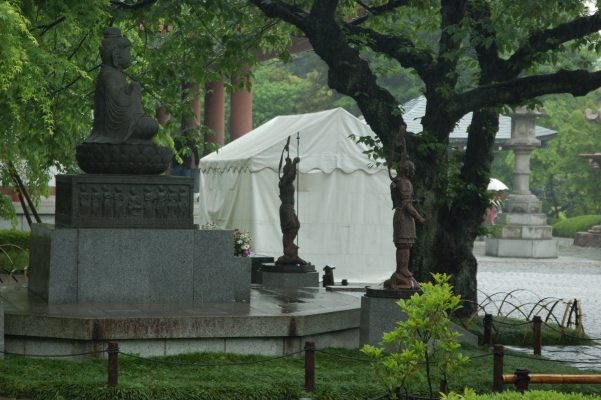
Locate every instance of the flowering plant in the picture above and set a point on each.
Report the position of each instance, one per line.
(241, 243)
(210, 226)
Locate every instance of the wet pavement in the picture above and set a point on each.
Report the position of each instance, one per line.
(264, 302)
(576, 274)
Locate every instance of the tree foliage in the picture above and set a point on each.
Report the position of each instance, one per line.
(49, 60)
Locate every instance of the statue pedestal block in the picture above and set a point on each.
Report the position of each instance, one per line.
(288, 276)
(136, 266)
(587, 239)
(380, 314)
(525, 233)
(124, 201)
(521, 248)
(257, 261)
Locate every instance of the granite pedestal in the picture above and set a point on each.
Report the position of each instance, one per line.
(136, 265)
(524, 233)
(592, 238)
(124, 201)
(288, 276)
(381, 314)
(257, 260)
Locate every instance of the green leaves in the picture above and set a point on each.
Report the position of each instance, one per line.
(425, 336)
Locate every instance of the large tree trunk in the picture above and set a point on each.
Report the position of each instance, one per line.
(445, 243)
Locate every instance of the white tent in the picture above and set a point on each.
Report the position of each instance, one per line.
(344, 206)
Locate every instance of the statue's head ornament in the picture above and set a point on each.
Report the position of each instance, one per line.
(112, 45)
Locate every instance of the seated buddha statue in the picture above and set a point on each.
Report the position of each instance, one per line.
(118, 114)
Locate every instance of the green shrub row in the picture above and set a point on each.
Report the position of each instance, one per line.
(568, 227)
(530, 395)
(13, 236)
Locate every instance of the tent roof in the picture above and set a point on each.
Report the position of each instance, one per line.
(324, 144)
(415, 109)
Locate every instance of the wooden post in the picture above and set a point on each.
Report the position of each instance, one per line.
(538, 337)
(488, 329)
(497, 380)
(310, 366)
(113, 365)
(522, 379)
(443, 387)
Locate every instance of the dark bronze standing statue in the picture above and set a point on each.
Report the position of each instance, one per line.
(288, 219)
(403, 223)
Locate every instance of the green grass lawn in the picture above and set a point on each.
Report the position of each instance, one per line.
(336, 378)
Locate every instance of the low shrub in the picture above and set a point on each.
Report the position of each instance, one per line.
(568, 227)
(530, 395)
(15, 237)
(513, 332)
(14, 250)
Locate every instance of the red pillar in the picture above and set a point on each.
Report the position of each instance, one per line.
(241, 114)
(191, 91)
(162, 116)
(215, 113)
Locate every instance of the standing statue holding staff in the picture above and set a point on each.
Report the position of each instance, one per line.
(403, 222)
(288, 219)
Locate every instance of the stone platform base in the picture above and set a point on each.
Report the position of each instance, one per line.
(521, 248)
(274, 322)
(124, 201)
(257, 260)
(289, 279)
(136, 265)
(380, 314)
(587, 239)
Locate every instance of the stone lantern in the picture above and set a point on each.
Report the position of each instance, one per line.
(525, 232)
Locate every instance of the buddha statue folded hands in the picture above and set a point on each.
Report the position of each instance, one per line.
(118, 114)
(121, 138)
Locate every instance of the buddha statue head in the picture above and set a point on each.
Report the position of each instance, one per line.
(115, 49)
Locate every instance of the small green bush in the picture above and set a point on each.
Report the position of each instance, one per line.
(529, 395)
(569, 227)
(12, 236)
(14, 250)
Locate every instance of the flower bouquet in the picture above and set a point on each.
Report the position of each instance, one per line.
(241, 243)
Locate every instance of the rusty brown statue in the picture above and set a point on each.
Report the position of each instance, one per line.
(288, 219)
(401, 191)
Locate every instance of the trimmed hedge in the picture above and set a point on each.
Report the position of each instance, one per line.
(12, 236)
(568, 227)
(530, 395)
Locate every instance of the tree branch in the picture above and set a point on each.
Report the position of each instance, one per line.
(46, 28)
(516, 91)
(493, 68)
(452, 13)
(379, 10)
(284, 11)
(550, 39)
(348, 73)
(135, 6)
(401, 49)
